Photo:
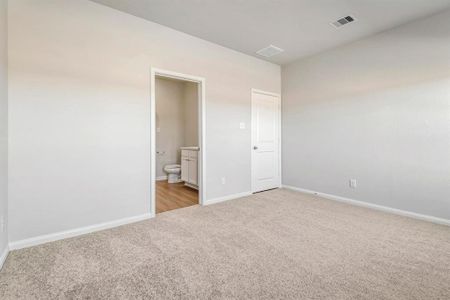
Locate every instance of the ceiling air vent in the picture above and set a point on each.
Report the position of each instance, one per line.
(343, 21)
(269, 51)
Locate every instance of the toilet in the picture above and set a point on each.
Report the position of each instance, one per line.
(173, 173)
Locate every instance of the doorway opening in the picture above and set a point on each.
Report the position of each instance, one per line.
(177, 140)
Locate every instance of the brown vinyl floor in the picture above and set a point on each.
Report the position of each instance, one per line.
(174, 196)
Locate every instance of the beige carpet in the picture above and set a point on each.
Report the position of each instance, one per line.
(274, 245)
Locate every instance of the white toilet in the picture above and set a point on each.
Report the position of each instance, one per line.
(173, 173)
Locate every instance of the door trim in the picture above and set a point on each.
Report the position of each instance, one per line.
(261, 92)
(201, 131)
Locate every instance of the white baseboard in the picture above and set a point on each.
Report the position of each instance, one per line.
(226, 198)
(161, 178)
(396, 211)
(3, 256)
(42, 239)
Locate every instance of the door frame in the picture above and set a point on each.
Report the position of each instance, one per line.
(155, 72)
(278, 96)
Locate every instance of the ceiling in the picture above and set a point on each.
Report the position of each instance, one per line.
(300, 27)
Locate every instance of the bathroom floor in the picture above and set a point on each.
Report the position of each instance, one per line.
(173, 196)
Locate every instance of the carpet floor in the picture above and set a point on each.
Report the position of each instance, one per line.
(274, 245)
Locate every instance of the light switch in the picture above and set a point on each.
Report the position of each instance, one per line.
(242, 125)
(158, 129)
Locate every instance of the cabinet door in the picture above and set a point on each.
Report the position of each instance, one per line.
(193, 172)
(185, 168)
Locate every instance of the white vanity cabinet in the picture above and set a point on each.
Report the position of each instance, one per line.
(189, 166)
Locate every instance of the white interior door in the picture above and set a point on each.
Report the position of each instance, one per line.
(265, 141)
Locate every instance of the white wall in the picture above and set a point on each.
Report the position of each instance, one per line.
(80, 106)
(170, 122)
(191, 114)
(3, 124)
(377, 110)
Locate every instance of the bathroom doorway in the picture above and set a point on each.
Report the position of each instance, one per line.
(177, 140)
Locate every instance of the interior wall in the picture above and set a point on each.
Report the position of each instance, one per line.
(3, 126)
(191, 120)
(378, 111)
(79, 80)
(170, 123)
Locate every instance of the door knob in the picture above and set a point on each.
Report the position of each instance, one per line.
(255, 147)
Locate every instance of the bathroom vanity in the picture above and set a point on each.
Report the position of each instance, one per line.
(189, 166)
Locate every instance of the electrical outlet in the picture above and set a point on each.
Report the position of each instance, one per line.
(223, 180)
(242, 125)
(352, 183)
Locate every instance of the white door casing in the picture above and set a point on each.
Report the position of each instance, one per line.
(266, 125)
(201, 158)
